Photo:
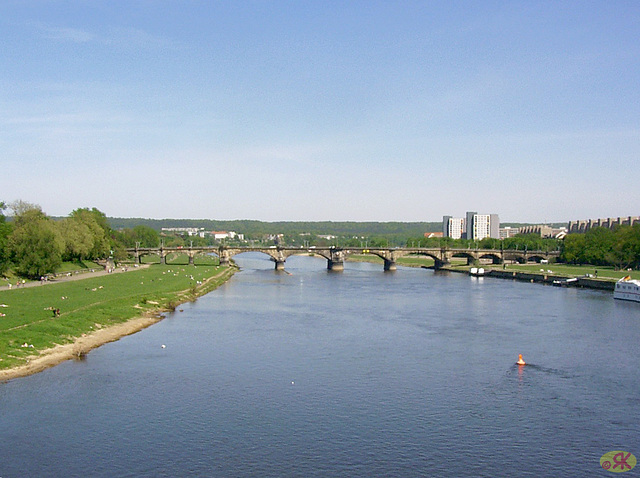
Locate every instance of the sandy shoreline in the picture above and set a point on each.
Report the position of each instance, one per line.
(61, 353)
(87, 342)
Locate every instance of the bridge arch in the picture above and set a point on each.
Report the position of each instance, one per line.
(514, 256)
(335, 256)
(150, 252)
(494, 257)
(536, 258)
(277, 254)
(469, 255)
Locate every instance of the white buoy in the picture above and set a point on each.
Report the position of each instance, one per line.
(164, 346)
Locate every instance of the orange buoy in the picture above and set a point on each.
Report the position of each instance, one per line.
(520, 361)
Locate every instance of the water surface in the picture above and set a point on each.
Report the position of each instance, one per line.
(359, 373)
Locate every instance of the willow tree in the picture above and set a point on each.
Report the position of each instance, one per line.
(77, 238)
(86, 235)
(35, 244)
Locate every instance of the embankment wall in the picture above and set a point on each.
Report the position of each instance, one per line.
(585, 282)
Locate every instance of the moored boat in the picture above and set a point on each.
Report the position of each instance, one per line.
(565, 282)
(627, 289)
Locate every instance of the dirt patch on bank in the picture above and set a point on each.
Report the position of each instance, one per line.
(87, 342)
(82, 345)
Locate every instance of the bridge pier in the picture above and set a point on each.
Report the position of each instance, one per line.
(223, 255)
(336, 260)
(279, 258)
(336, 256)
(438, 264)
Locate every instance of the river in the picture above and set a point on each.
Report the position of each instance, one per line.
(357, 374)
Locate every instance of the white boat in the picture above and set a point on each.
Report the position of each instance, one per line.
(476, 271)
(627, 289)
(565, 282)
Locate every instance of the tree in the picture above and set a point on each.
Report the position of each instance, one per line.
(19, 207)
(602, 246)
(626, 250)
(144, 236)
(35, 244)
(599, 243)
(77, 237)
(5, 232)
(99, 217)
(92, 227)
(573, 249)
(489, 243)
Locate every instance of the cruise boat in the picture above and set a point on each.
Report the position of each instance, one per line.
(627, 289)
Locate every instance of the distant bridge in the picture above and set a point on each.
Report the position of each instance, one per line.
(336, 256)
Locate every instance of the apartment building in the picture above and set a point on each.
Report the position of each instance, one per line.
(453, 227)
(473, 226)
(479, 226)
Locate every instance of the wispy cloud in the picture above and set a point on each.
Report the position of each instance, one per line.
(73, 35)
(111, 36)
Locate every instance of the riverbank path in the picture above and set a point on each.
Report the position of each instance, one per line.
(70, 276)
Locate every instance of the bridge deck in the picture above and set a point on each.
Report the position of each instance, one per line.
(337, 255)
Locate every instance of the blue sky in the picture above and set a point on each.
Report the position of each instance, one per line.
(322, 110)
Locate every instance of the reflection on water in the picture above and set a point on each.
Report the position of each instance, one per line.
(360, 373)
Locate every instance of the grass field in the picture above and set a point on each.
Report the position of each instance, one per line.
(606, 273)
(92, 303)
(76, 266)
(181, 259)
(66, 267)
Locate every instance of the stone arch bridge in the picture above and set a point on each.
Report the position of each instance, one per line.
(336, 256)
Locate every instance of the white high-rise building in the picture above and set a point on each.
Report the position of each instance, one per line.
(480, 226)
(452, 227)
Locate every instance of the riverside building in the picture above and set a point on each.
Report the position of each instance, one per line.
(473, 226)
(452, 227)
(480, 226)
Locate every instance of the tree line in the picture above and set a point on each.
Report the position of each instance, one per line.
(600, 246)
(618, 247)
(530, 242)
(33, 244)
(254, 229)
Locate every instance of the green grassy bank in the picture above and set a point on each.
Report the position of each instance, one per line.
(94, 303)
(181, 259)
(565, 270)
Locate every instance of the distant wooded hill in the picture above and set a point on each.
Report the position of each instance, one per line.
(252, 228)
